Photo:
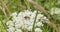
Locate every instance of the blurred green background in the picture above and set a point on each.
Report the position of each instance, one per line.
(7, 7)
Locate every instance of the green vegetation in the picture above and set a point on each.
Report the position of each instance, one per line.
(7, 7)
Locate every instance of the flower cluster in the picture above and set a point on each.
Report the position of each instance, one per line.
(24, 21)
(54, 10)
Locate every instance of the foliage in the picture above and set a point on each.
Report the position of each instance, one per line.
(7, 7)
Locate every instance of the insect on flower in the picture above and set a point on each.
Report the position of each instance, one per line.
(27, 17)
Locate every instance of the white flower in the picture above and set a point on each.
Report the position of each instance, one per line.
(10, 23)
(18, 25)
(38, 30)
(18, 30)
(39, 24)
(54, 10)
(20, 14)
(11, 29)
(24, 27)
(39, 16)
(27, 13)
(25, 20)
(29, 28)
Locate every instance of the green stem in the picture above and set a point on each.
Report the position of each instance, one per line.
(34, 22)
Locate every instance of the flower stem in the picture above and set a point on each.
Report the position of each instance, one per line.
(34, 22)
